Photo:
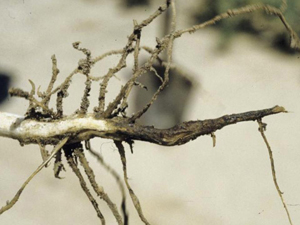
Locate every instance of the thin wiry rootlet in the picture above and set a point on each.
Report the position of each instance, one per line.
(43, 125)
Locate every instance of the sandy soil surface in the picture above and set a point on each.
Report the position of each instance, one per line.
(190, 184)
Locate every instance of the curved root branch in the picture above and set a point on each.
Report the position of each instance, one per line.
(262, 128)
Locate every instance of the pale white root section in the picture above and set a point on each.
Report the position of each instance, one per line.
(16, 127)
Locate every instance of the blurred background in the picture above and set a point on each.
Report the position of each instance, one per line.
(238, 65)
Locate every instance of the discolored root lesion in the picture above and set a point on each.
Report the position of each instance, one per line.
(69, 151)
